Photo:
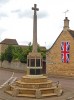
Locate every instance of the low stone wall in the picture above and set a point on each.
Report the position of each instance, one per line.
(15, 65)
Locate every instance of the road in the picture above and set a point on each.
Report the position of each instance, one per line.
(67, 86)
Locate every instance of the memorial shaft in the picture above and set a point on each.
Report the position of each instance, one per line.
(35, 28)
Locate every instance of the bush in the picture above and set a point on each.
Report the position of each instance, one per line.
(9, 54)
(2, 57)
(23, 58)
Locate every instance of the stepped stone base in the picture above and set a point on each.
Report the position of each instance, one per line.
(36, 86)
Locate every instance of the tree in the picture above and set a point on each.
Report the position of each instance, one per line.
(29, 47)
(17, 51)
(2, 57)
(43, 55)
(23, 58)
(9, 54)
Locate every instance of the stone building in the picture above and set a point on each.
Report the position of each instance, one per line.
(4, 44)
(60, 57)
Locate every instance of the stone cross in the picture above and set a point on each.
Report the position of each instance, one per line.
(35, 28)
(35, 9)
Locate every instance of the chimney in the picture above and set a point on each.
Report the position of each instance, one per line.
(66, 24)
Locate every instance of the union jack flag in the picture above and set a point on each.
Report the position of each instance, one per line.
(65, 52)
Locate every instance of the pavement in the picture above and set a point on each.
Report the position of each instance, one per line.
(66, 83)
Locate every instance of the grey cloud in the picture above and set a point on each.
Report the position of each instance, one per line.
(29, 13)
(22, 14)
(3, 1)
(16, 11)
(26, 13)
(42, 14)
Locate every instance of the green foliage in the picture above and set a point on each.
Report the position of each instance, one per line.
(38, 49)
(20, 54)
(2, 57)
(23, 58)
(17, 51)
(9, 54)
(29, 49)
(43, 55)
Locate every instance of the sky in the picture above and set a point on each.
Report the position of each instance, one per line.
(16, 20)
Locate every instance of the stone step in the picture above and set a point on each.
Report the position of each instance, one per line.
(34, 78)
(47, 90)
(33, 90)
(21, 95)
(32, 95)
(34, 85)
(25, 95)
(21, 88)
(43, 95)
(21, 82)
(48, 95)
(25, 92)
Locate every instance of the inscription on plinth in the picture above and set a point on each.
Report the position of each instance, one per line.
(34, 62)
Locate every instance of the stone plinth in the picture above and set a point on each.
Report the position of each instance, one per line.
(34, 64)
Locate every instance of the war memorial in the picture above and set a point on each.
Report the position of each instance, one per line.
(34, 83)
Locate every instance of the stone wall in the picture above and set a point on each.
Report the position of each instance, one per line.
(3, 47)
(15, 65)
(54, 64)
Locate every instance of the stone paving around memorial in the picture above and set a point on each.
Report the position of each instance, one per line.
(67, 85)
